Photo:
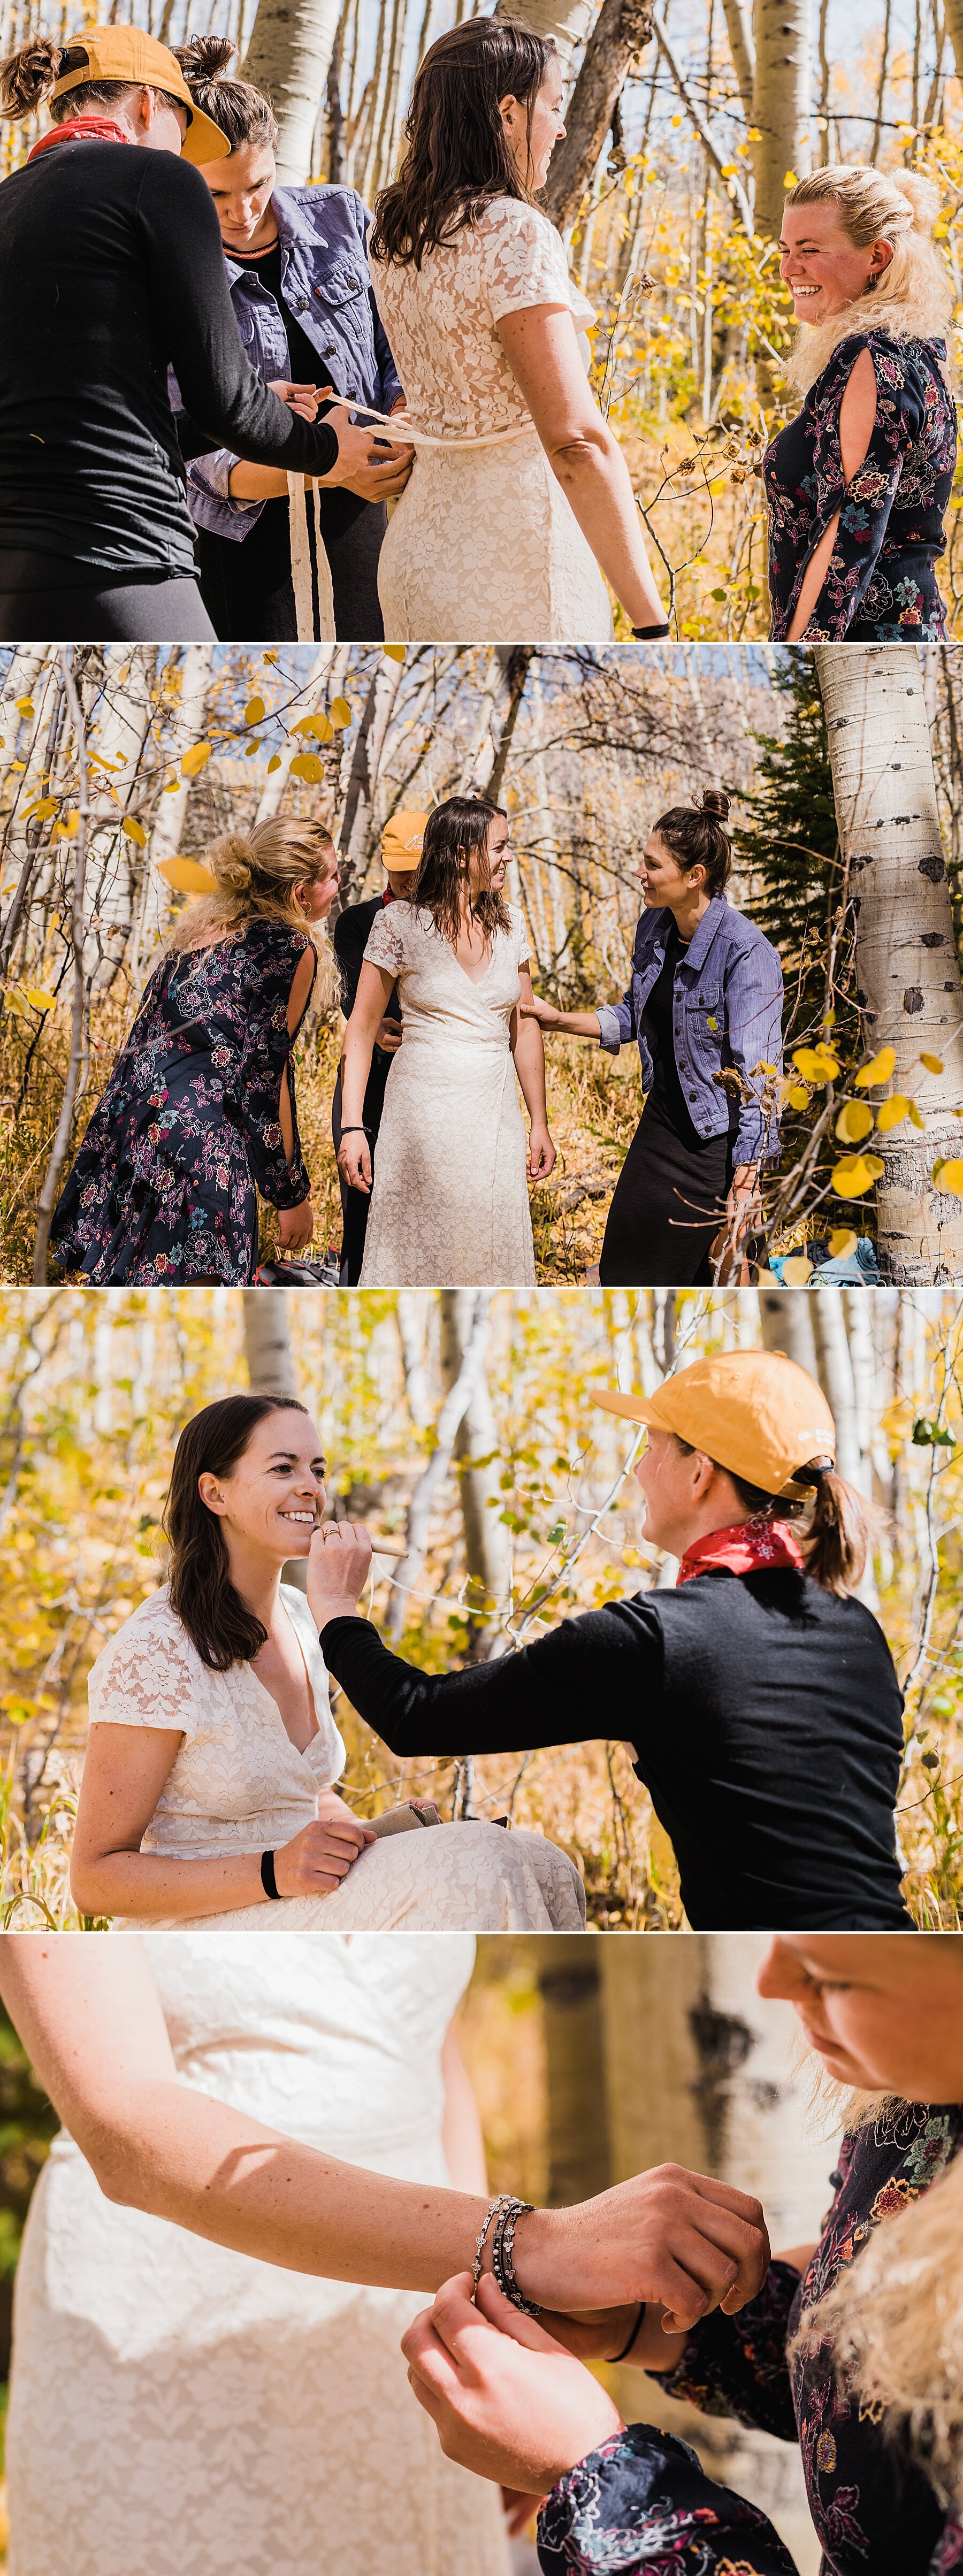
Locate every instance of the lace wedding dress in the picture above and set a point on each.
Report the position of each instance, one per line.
(238, 1784)
(449, 1206)
(483, 546)
(174, 2405)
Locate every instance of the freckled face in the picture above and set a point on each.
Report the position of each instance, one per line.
(821, 266)
(274, 1498)
(882, 2011)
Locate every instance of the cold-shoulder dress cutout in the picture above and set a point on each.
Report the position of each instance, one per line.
(163, 1189)
(881, 583)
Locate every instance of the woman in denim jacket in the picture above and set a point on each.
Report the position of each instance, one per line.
(705, 1006)
(297, 268)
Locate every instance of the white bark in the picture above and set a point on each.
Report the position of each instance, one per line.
(785, 1325)
(780, 106)
(954, 25)
(267, 1341)
(743, 51)
(308, 704)
(909, 984)
(564, 27)
(456, 1402)
(487, 1545)
(288, 56)
(115, 866)
(170, 812)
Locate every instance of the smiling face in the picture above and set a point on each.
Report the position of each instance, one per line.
(821, 266)
(241, 187)
(883, 2011)
(273, 1500)
(662, 880)
(488, 867)
(316, 896)
(534, 127)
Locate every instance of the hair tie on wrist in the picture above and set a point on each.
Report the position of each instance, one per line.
(268, 1880)
(643, 634)
(633, 2338)
(354, 1131)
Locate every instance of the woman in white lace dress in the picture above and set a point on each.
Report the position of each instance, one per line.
(449, 1204)
(208, 1785)
(520, 499)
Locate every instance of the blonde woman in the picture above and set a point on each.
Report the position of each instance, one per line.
(857, 485)
(853, 2347)
(199, 1112)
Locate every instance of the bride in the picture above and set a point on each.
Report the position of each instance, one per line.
(270, 2152)
(520, 498)
(449, 1206)
(208, 1784)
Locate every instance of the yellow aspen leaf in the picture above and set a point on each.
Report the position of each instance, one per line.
(194, 759)
(254, 711)
(39, 1000)
(797, 1097)
(39, 813)
(324, 729)
(816, 1064)
(170, 787)
(395, 652)
(252, 749)
(134, 831)
(916, 1115)
(790, 179)
(892, 1112)
(69, 824)
(340, 712)
(933, 1063)
(797, 1270)
(15, 1002)
(187, 875)
(842, 1242)
(274, 762)
(270, 657)
(875, 1164)
(854, 1122)
(25, 707)
(309, 767)
(949, 1176)
(305, 724)
(850, 1177)
(878, 1069)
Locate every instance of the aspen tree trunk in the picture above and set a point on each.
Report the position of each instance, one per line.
(743, 51)
(698, 2072)
(565, 27)
(487, 1545)
(308, 704)
(170, 811)
(115, 867)
(570, 1985)
(622, 29)
(267, 1341)
(785, 1325)
(362, 817)
(907, 975)
(288, 55)
(780, 106)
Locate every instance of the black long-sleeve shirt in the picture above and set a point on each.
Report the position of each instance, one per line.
(766, 1717)
(111, 269)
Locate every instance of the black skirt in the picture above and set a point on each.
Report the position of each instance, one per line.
(669, 1202)
(246, 583)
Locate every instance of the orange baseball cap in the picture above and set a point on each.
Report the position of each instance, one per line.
(127, 55)
(401, 840)
(754, 1412)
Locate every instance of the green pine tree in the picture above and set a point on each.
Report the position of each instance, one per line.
(791, 847)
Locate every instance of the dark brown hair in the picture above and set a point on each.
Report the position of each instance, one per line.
(240, 110)
(453, 833)
(696, 836)
(217, 1621)
(27, 78)
(835, 1542)
(458, 156)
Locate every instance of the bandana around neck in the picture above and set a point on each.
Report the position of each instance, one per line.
(742, 1548)
(82, 129)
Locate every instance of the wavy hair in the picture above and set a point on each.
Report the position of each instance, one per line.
(256, 873)
(914, 299)
(455, 833)
(202, 1594)
(458, 157)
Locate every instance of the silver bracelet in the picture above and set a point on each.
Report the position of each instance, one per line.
(503, 2265)
(502, 2199)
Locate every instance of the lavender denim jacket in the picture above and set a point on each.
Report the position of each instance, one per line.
(326, 280)
(727, 1011)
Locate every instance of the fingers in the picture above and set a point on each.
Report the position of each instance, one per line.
(498, 2311)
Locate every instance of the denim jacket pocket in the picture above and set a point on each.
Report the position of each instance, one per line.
(341, 285)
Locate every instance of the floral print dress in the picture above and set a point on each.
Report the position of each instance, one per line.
(642, 2501)
(880, 587)
(163, 1190)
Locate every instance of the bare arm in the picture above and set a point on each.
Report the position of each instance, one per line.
(542, 350)
(575, 1024)
(857, 415)
(461, 2128)
(375, 989)
(124, 1773)
(295, 1225)
(529, 1054)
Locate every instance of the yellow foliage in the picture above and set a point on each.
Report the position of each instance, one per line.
(854, 1122)
(254, 711)
(892, 1112)
(948, 1175)
(877, 1070)
(933, 1063)
(842, 1242)
(134, 831)
(195, 759)
(340, 712)
(817, 1064)
(852, 1177)
(309, 767)
(187, 875)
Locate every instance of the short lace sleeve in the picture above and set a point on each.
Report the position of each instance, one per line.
(144, 1676)
(385, 946)
(521, 943)
(525, 263)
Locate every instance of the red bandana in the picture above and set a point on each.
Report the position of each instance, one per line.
(741, 1548)
(82, 129)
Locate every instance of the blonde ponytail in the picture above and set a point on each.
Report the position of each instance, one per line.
(256, 874)
(914, 299)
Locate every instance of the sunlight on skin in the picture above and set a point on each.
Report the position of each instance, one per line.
(880, 2011)
(825, 272)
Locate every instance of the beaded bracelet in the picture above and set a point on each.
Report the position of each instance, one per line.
(503, 2264)
(498, 2203)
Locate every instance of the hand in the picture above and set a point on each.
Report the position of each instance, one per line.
(545, 1013)
(604, 2336)
(508, 2402)
(338, 1560)
(296, 1226)
(303, 399)
(386, 474)
(681, 2239)
(541, 1154)
(390, 1034)
(355, 451)
(519, 2510)
(354, 1160)
(321, 1855)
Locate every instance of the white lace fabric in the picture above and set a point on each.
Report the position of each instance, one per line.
(174, 2404)
(449, 1206)
(483, 545)
(238, 1784)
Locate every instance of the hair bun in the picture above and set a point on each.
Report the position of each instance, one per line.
(233, 862)
(206, 58)
(715, 802)
(922, 196)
